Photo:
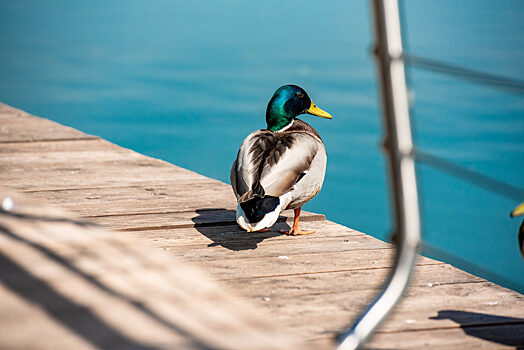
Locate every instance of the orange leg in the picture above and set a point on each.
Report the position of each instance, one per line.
(295, 230)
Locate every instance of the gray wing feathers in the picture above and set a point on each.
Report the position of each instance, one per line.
(270, 163)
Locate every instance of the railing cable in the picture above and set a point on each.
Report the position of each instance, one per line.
(481, 180)
(511, 85)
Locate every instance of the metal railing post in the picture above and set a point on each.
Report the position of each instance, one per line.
(398, 144)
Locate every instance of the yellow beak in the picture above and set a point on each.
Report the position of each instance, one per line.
(518, 211)
(313, 109)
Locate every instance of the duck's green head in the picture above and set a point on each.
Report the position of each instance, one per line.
(287, 103)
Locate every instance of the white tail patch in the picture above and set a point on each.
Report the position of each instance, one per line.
(267, 221)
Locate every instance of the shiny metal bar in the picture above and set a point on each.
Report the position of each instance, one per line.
(398, 146)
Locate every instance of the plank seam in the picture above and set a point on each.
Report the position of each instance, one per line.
(207, 224)
(272, 256)
(109, 186)
(188, 210)
(319, 272)
(363, 269)
(87, 138)
(273, 238)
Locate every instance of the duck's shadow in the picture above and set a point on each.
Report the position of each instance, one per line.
(219, 225)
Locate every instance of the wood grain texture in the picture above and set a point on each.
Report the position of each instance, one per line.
(67, 284)
(313, 286)
(18, 126)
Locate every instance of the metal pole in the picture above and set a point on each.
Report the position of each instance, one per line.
(398, 146)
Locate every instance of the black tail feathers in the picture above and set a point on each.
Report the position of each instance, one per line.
(255, 209)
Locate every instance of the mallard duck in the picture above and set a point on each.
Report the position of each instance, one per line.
(519, 211)
(281, 167)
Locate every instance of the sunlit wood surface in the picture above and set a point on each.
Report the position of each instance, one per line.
(307, 287)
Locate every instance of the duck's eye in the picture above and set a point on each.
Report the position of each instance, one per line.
(300, 94)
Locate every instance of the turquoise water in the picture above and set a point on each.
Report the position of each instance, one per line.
(186, 82)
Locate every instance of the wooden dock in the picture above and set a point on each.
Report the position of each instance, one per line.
(311, 286)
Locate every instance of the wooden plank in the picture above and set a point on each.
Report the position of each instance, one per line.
(189, 219)
(232, 237)
(257, 267)
(108, 290)
(91, 164)
(367, 280)
(91, 174)
(415, 312)
(18, 126)
(142, 199)
(232, 241)
(45, 149)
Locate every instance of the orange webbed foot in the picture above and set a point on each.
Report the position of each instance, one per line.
(297, 232)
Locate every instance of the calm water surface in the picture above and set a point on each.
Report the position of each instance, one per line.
(186, 82)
